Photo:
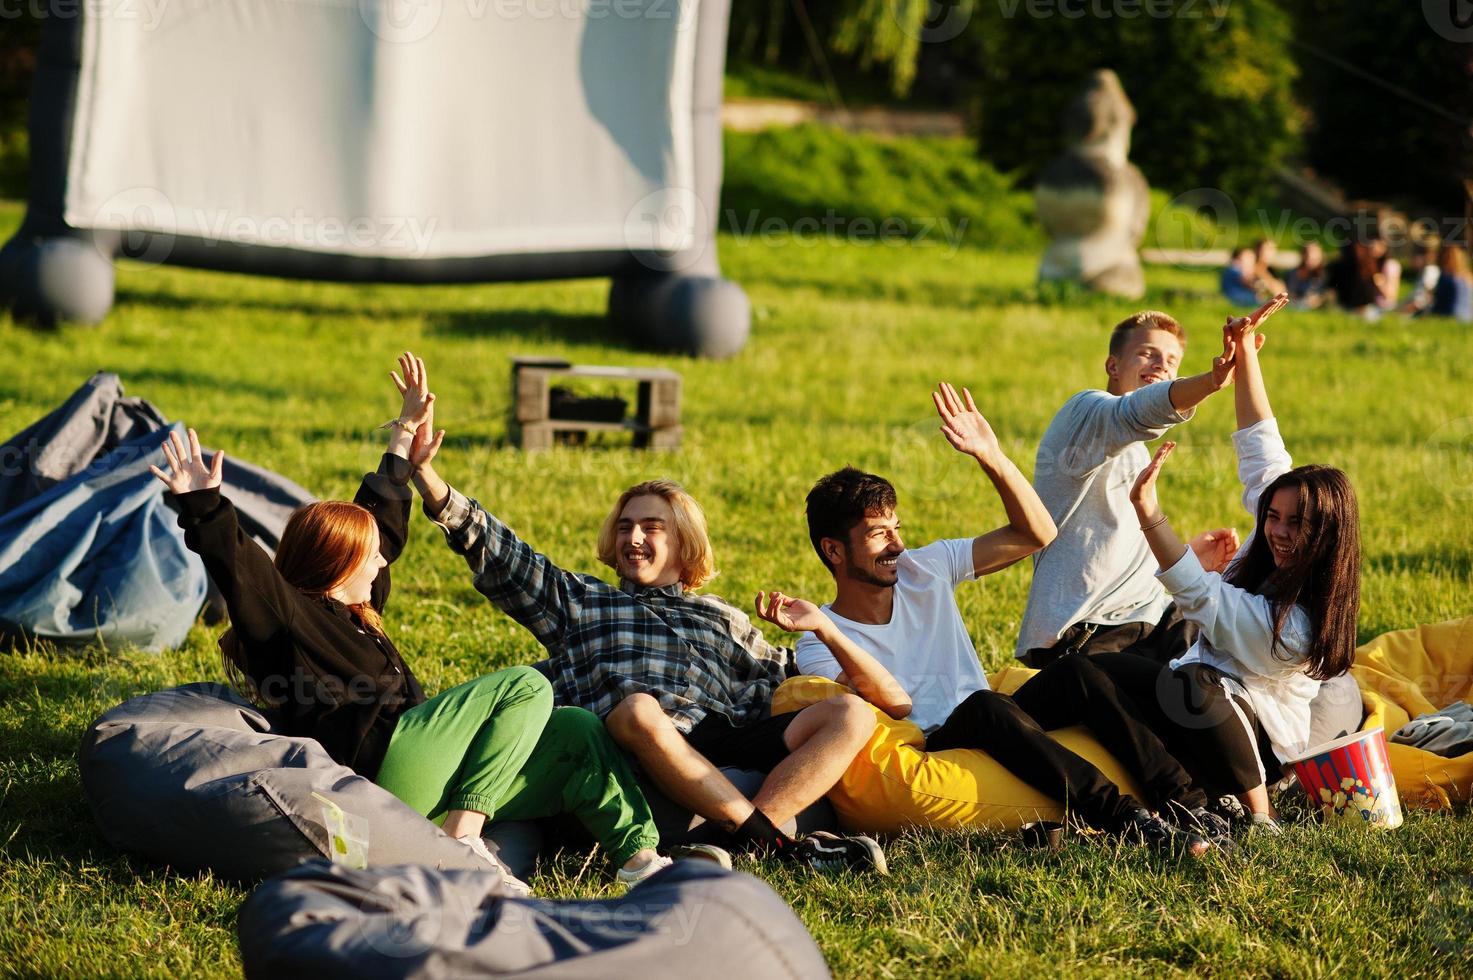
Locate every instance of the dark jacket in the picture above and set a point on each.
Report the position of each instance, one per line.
(309, 658)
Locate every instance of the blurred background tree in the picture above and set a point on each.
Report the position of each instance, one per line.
(1391, 98)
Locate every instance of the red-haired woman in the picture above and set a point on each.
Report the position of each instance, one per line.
(1279, 620)
(307, 636)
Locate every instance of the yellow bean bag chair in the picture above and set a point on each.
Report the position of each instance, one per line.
(1409, 673)
(894, 783)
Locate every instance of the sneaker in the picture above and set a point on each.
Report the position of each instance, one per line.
(1203, 822)
(516, 886)
(1144, 829)
(831, 853)
(1230, 808)
(719, 856)
(1265, 824)
(629, 878)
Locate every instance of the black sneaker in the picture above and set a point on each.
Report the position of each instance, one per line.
(1230, 808)
(831, 853)
(1144, 829)
(1203, 822)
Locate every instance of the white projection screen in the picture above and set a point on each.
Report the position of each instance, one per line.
(415, 129)
(423, 141)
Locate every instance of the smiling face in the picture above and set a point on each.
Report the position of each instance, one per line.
(1147, 356)
(357, 588)
(871, 553)
(646, 544)
(1281, 524)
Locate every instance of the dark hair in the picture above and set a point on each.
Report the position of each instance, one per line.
(1323, 576)
(841, 500)
(1144, 320)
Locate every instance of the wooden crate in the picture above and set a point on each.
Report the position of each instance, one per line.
(655, 423)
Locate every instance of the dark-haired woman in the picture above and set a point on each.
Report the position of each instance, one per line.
(1277, 622)
(307, 636)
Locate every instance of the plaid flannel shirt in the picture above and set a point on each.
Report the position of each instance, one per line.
(695, 653)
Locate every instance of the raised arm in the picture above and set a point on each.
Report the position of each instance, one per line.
(260, 601)
(1188, 393)
(1029, 525)
(524, 584)
(865, 674)
(1262, 457)
(1250, 396)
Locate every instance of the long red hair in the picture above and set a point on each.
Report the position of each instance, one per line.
(323, 544)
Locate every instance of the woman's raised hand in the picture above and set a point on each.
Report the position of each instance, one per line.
(187, 469)
(1143, 493)
(414, 386)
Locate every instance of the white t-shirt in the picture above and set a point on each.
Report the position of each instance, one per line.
(925, 645)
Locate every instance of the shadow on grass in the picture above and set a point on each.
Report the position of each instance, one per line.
(531, 326)
(946, 294)
(1424, 562)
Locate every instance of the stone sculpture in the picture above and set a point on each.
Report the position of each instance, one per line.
(1092, 201)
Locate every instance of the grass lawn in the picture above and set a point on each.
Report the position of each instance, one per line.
(847, 341)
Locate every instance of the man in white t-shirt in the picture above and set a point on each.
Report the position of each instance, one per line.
(899, 608)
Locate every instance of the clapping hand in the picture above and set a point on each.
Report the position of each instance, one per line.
(187, 470)
(415, 387)
(1143, 493)
(787, 613)
(963, 425)
(1214, 549)
(418, 409)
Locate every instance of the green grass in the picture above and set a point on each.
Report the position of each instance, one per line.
(847, 340)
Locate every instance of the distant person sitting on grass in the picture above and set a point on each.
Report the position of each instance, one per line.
(1424, 271)
(683, 681)
(1277, 622)
(899, 607)
(1239, 277)
(1453, 296)
(1354, 280)
(306, 634)
(1265, 281)
(1306, 283)
(1093, 590)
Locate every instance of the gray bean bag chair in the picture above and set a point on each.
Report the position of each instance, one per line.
(692, 920)
(193, 777)
(99, 558)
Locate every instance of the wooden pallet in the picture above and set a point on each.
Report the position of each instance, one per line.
(654, 425)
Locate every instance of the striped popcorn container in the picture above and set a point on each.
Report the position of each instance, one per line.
(1350, 780)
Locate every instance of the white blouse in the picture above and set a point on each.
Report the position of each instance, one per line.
(1237, 626)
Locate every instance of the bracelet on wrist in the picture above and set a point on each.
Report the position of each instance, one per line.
(400, 423)
(1154, 524)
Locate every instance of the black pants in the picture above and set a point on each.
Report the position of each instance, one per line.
(1071, 691)
(1163, 641)
(1215, 735)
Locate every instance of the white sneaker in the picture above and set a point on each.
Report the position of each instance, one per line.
(630, 878)
(1265, 824)
(516, 886)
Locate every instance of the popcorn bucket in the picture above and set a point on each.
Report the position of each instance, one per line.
(1350, 780)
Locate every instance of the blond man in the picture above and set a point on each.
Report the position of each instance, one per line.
(1094, 587)
(683, 681)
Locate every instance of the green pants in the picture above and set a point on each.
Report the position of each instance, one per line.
(497, 745)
